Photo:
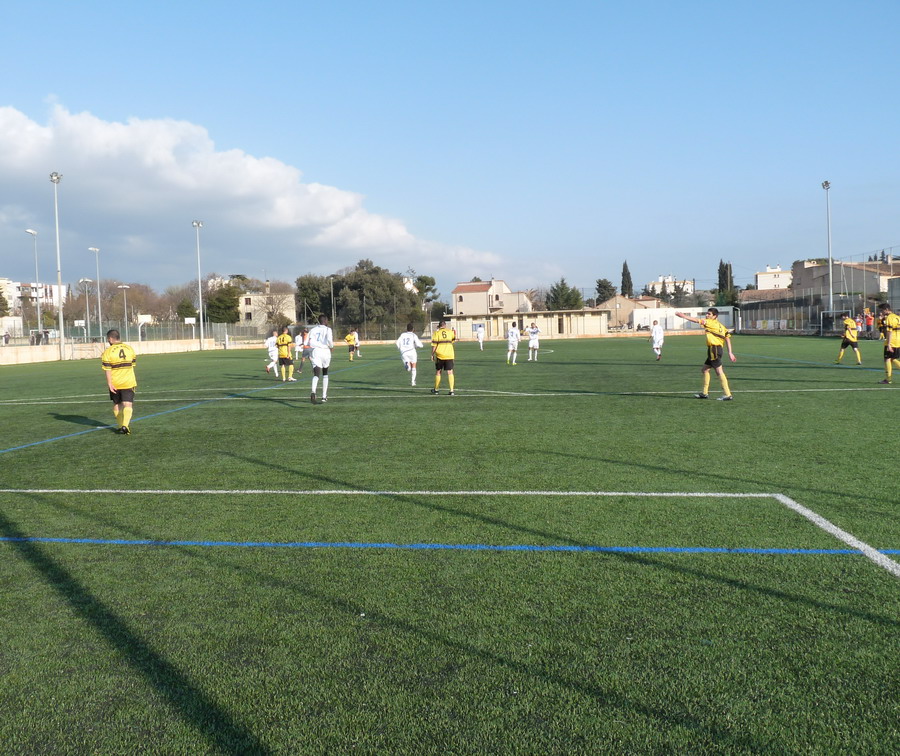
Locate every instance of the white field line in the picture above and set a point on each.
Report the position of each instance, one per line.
(871, 553)
(842, 535)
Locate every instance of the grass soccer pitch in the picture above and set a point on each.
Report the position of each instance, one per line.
(567, 556)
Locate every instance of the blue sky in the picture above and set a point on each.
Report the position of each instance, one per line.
(523, 140)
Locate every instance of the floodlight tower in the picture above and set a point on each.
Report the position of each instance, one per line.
(197, 226)
(826, 185)
(96, 251)
(87, 311)
(55, 178)
(125, 288)
(37, 279)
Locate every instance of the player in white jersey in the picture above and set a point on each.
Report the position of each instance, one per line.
(272, 349)
(407, 344)
(301, 348)
(512, 344)
(533, 342)
(321, 342)
(479, 334)
(657, 336)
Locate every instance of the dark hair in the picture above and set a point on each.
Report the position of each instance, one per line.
(713, 311)
(113, 333)
(442, 323)
(323, 319)
(409, 326)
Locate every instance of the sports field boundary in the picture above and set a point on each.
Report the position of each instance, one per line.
(878, 557)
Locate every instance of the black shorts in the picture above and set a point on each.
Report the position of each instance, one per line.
(443, 364)
(713, 356)
(122, 395)
(848, 343)
(285, 361)
(891, 353)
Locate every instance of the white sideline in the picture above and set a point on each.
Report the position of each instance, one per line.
(849, 539)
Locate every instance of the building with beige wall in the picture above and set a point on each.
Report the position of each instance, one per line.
(492, 297)
(773, 278)
(554, 324)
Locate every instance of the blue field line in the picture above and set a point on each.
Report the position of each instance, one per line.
(164, 412)
(440, 546)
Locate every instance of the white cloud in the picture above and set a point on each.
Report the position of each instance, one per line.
(133, 188)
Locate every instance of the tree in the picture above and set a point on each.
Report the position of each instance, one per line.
(725, 294)
(4, 306)
(564, 297)
(185, 309)
(223, 305)
(627, 287)
(605, 290)
(680, 297)
(664, 292)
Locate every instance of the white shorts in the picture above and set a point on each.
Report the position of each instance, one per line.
(512, 345)
(411, 357)
(657, 344)
(533, 344)
(273, 354)
(321, 357)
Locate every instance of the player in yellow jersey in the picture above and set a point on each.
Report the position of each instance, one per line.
(717, 337)
(284, 343)
(890, 327)
(118, 361)
(850, 338)
(443, 354)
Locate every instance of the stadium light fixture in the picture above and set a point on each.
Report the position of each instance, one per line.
(125, 288)
(826, 185)
(87, 311)
(37, 279)
(197, 226)
(96, 251)
(55, 178)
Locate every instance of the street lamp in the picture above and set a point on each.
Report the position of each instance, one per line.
(331, 281)
(125, 288)
(55, 178)
(826, 185)
(87, 312)
(198, 225)
(37, 280)
(96, 251)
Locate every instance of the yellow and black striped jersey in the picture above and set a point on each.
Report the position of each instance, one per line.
(119, 359)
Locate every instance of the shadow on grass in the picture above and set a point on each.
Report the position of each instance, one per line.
(189, 702)
(78, 420)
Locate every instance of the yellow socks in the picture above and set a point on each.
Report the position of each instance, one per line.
(705, 389)
(125, 419)
(725, 387)
(450, 378)
(437, 381)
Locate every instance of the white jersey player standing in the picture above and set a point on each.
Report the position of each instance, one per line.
(272, 349)
(407, 344)
(321, 342)
(533, 342)
(512, 344)
(301, 347)
(479, 334)
(657, 336)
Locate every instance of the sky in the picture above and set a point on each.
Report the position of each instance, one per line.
(528, 141)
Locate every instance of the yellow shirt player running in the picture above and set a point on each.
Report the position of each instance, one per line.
(442, 353)
(717, 337)
(849, 339)
(284, 343)
(118, 361)
(890, 327)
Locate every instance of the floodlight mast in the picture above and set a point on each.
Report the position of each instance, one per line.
(55, 178)
(197, 226)
(125, 288)
(37, 279)
(826, 185)
(96, 251)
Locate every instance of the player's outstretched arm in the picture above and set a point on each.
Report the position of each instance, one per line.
(686, 317)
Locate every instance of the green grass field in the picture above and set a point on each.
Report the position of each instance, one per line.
(509, 570)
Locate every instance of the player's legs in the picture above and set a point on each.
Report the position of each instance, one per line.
(437, 379)
(720, 371)
(324, 383)
(412, 372)
(704, 374)
(856, 352)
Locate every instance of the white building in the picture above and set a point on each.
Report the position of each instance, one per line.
(774, 278)
(16, 291)
(656, 287)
